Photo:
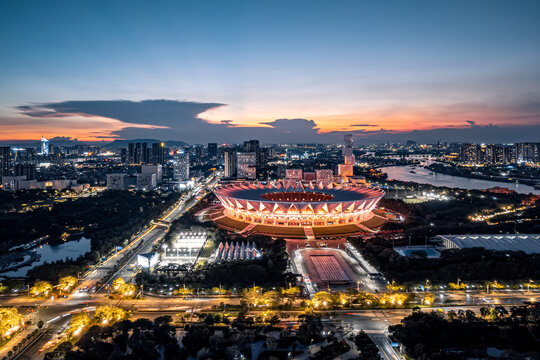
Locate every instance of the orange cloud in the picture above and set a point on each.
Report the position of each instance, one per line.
(82, 127)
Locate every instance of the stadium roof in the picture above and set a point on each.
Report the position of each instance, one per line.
(528, 243)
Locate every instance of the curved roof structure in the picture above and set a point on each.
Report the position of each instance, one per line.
(294, 203)
(288, 194)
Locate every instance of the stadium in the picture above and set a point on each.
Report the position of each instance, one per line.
(297, 205)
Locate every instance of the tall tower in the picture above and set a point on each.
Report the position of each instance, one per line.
(345, 170)
(44, 146)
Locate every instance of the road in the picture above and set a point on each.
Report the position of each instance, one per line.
(56, 313)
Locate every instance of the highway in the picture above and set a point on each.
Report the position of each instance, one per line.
(56, 313)
(91, 291)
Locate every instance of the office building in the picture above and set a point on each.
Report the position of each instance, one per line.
(27, 170)
(324, 175)
(123, 156)
(253, 146)
(158, 153)
(230, 163)
(309, 176)
(469, 153)
(138, 153)
(528, 153)
(181, 166)
(246, 165)
(5, 161)
(153, 169)
(44, 146)
(146, 182)
(293, 174)
(117, 182)
(345, 170)
(212, 152)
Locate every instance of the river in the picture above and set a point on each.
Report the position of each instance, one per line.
(424, 176)
(71, 249)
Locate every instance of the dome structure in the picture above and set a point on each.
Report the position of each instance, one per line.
(298, 204)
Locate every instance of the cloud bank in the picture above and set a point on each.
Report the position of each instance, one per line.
(184, 120)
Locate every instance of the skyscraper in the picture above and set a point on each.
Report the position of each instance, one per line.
(469, 153)
(247, 165)
(158, 153)
(123, 156)
(5, 161)
(345, 170)
(139, 153)
(528, 153)
(181, 166)
(28, 170)
(131, 153)
(44, 146)
(230, 163)
(212, 152)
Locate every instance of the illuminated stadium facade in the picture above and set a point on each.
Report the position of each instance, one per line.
(298, 204)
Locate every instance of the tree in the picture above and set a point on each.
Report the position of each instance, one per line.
(10, 319)
(253, 296)
(107, 314)
(41, 288)
(78, 322)
(118, 283)
(66, 283)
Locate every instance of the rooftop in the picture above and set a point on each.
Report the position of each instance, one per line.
(528, 243)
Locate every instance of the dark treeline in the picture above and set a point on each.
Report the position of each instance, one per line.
(473, 264)
(451, 217)
(139, 339)
(109, 219)
(463, 335)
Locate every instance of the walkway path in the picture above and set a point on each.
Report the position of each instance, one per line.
(309, 233)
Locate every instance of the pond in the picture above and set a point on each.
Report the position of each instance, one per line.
(49, 253)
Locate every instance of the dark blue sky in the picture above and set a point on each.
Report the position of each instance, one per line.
(397, 66)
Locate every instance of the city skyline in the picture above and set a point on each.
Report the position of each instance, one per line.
(277, 72)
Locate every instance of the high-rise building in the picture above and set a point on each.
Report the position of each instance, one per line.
(346, 169)
(253, 146)
(509, 153)
(247, 165)
(5, 161)
(294, 174)
(44, 146)
(230, 163)
(145, 152)
(117, 182)
(212, 152)
(181, 166)
(139, 153)
(158, 153)
(324, 175)
(146, 181)
(28, 170)
(123, 156)
(494, 154)
(199, 153)
(528, 153)
(469, 153)
(131, 153)
(153, 169)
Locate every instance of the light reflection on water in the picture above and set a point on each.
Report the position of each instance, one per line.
(49, 253)
(424, 176)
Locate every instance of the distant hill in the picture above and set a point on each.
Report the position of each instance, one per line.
(124, 143)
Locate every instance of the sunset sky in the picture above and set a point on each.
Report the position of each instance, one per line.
(299, 71)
